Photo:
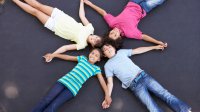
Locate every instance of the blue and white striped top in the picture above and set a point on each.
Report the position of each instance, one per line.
(79, 74)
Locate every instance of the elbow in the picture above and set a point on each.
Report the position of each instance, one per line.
(65, 47)
(110, 84)
(103, 13)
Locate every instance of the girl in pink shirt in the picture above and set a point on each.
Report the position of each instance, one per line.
(126, 23)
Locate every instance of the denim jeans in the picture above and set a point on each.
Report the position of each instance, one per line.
(146, 84)
(56, 97)
(148, 5)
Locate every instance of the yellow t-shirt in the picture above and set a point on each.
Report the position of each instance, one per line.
(68, 28)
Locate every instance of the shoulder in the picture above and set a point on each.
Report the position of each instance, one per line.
(127, 52)
(82, 58)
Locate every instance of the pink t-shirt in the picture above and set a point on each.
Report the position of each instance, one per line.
(127, 21)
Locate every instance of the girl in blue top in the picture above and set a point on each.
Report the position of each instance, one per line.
(68, 86)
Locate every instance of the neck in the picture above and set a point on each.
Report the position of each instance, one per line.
(111, 56)
(91, 62)
(88, 38)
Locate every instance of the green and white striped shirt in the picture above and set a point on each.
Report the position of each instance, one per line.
(79, 74)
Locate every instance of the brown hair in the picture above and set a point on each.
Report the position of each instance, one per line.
(99, 43)
(99, 50)
(117, 43)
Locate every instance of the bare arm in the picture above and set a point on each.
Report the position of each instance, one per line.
(82, 13)
(61, 50)
(105, 88)
(96, 8)
(110, 88)
(153, 40)
(65, 48)
(141, 50)
(61, 56)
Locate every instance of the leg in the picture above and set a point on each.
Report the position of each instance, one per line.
(152, 40)
(176, 104)
(40, 15)
(148, 5)
(66, 95)
(43, 8)
(56, 90)
(142, 93)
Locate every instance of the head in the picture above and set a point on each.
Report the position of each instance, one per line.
(95, 41)
(108, 50)
(95, 55)
(114, 34)
(115, 43)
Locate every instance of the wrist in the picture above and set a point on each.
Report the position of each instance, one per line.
(53, 55)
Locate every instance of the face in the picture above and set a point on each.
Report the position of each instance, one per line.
(109, 51)
(94, 56)
(93, 39)
(114, 34)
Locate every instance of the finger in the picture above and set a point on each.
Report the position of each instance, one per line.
(49, 60)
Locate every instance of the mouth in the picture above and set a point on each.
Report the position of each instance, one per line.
(92, 59)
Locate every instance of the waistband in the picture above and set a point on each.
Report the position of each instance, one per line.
(137, 78)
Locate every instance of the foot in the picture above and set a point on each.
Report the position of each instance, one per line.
(2, 2)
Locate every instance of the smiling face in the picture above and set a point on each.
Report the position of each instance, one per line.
(108, 50)
(94, 40)
(94, 56)
(114, 34)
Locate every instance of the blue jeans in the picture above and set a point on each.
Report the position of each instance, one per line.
(141, 88)
(148, 5)
(56, 97)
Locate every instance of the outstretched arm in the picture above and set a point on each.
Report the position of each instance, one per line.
(61, 56)
(61, 50)
(82, 13)
(153, 40)
(141, 50)
(65, 48)
(108, 99)
(96, 8)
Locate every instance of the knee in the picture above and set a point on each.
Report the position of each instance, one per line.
(36, 5)
(35, 12)
(50, 108)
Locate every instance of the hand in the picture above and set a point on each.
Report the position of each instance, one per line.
(108, 100)
(159, 47)
(105, 105)
(81, 0)
(87, 2)
(48, 57)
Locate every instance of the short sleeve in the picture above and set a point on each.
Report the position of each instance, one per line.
(81, 45)
(136, 34)
(126, 52)
(109, 18)
(108, 70)
(81, 58)
(89, 28)
(98, 70)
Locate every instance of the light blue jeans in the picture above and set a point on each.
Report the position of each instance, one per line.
(148, 5)
(145, 84)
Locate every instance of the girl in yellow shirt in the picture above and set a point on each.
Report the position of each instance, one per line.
(63, 25)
